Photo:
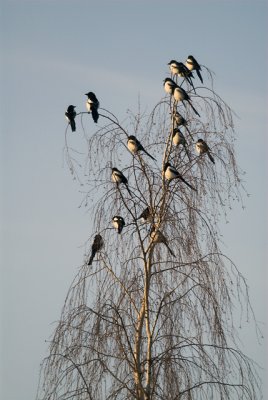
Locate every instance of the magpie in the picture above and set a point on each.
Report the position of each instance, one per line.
(70, 116)
(92, 105)
(171, 173)
(118, 223)
(178, 68)
(179, 120)
(180, 94)
(158, 237)
(169, 85)
(97, 245)
(146, 215)
(202, 148)
(192, 64)
(118, 177)
(134, 146)
(178, 138)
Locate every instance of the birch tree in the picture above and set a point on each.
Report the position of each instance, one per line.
(152, 316)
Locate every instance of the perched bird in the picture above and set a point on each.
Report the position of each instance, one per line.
(92, 105)
(178, 68)
(178, 138)
(180, 94)
(97, 245)
(70, 116)
(146, 215)
(169, 85)
(118, 177)
(158, 237)
(181, 121)
(171, 173)
(118, 223)
(192, 64)
(135, 146)
(202, 148)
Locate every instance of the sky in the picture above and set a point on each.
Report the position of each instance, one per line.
(54, 51)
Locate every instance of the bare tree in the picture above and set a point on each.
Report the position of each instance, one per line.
(152, 317)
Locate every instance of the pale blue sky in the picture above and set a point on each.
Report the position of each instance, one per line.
(54, 52)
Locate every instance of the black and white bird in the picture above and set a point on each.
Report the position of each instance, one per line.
(178, 68)
(70, 116)
(146, 215)
(181, 121)
(192, 65)
(118, 223)
(169, 85)
(179, 139)
(97, 245)
(158, 237)
(171, 173)
(118, 177)
(135, 146)
(92, 105)
(179, 94)
(202, 148)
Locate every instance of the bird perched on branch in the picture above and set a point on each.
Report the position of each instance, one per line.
(158, 237)
(118, 177)
(70, 116)
(118, 223)
(97, 245)
(169, 85)
(181, 121)
(192, 65)
(178, 138)
(135, 146)
(171, 173)
(202, 148)
(146, 215)
(92, 105)
(179, 94)
(178, 68)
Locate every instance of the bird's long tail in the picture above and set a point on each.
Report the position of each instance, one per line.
(146, 152)
(93, 253)
(187, 153)
(188, 130)
(195, 111)
(73, 126)
(211, 158)
(188, 184)
(128, 189)
(169, 249)
(199, 75)
(95, 114)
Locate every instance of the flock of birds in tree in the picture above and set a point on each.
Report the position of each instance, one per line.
(177, 69)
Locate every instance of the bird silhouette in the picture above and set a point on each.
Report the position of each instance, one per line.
(70, 116)
(202, 148)
(135, 146)
(171, 173)
(118, 177)
(118, 223)
(158, 237)
(92, 105)
(97, 245)
(179, 139)
(192, 65)
(146, 215)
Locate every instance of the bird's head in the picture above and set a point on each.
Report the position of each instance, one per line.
(131, 137)
(166, 165)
